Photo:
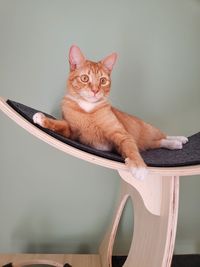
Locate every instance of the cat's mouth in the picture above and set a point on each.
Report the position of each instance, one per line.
(92, 98)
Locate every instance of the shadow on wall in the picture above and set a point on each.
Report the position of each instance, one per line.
(37, 235)
(56, 247)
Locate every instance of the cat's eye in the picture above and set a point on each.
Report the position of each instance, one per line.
(103, 81)
(84, 78)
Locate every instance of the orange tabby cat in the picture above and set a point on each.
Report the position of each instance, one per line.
(89, 118)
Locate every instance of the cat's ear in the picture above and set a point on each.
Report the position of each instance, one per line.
(109, 61)
(76, 57)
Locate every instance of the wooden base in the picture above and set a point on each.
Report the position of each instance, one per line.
(155, 203)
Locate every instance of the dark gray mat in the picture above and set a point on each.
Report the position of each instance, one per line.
(189, 155)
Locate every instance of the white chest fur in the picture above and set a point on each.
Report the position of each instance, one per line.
(87, 106)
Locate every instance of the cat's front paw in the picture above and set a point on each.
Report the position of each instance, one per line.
(39, 118)
(139, 171)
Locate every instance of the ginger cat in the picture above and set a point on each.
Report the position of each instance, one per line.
(89, 118)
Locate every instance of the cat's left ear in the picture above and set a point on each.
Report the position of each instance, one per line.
(109, 61)
(76, 57)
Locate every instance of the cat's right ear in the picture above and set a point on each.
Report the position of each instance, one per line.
(109, 61)
(76, 57)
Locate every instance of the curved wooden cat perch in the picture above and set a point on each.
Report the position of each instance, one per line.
(155, 199)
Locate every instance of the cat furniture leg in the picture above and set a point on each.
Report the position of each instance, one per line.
(106, 246)
(155, 202)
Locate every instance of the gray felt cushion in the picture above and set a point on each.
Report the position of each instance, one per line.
(189, 155)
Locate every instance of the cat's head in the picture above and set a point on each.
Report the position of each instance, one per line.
(89, 80)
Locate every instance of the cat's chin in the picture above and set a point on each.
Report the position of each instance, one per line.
(93, 99)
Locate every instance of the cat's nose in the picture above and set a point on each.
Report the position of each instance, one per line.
(95, 89)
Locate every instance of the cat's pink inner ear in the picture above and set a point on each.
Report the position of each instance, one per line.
(109, 61)
(76, 57)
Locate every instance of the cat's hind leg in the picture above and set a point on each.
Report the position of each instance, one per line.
(58, 126)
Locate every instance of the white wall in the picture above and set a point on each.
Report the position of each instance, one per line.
(156, 78)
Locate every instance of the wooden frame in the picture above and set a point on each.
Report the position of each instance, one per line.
(155, 211)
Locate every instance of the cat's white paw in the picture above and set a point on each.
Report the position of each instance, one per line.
(171, 144)
(38, 118)
(139, 173)
(176, 144)
(182, 139)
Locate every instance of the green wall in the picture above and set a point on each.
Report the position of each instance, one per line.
(49, 201)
